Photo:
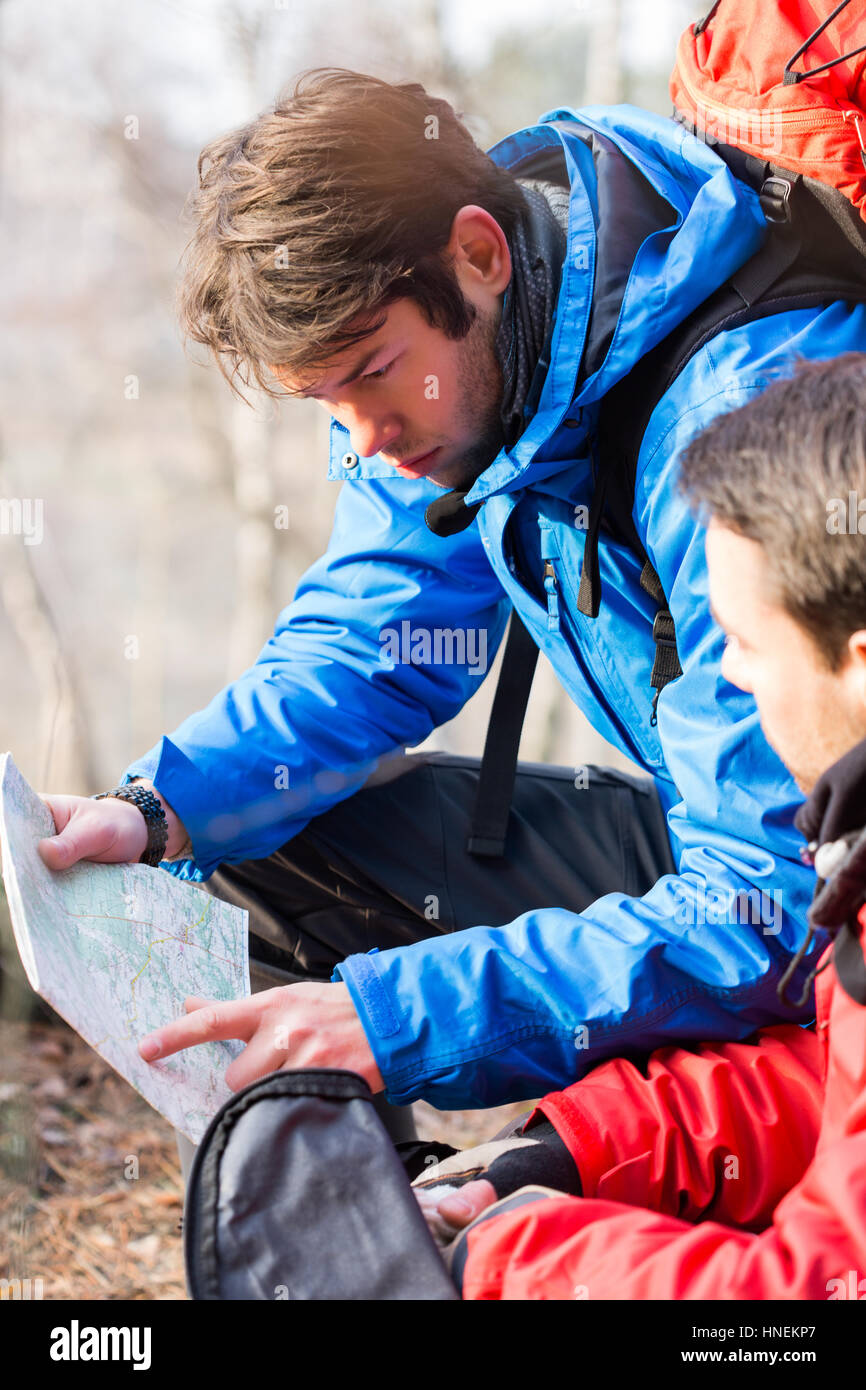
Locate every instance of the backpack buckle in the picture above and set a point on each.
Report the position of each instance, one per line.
(775, 199)
(664, 634)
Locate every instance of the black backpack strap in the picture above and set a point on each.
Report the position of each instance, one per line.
(666, 663)
(499, 763)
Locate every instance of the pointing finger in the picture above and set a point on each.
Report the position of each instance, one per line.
(213, 1022)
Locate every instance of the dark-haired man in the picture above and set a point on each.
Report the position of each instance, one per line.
(461, 316)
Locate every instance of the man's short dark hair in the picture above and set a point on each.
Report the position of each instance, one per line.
(788, 470)
(314, 217)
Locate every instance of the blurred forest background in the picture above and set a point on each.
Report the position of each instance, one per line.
(159, 571)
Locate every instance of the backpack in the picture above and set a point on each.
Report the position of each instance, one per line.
(737, 86)
(297, 1193)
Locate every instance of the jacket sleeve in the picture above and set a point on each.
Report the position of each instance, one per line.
(337, 686)
(812, 1247)
(573, 1247)
(504, 1014)
(715, 1132)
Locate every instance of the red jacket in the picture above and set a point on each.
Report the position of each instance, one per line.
(733, 1170)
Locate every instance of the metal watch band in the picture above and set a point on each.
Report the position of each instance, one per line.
(150, 807)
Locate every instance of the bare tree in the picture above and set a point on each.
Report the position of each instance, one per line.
(64, 736)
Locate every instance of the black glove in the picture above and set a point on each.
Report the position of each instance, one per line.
(509, 1163)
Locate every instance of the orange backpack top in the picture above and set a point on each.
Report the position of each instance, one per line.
(782, 82)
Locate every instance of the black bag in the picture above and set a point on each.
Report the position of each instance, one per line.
(296, 1192)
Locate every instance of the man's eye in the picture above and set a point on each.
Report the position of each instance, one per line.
(380, 372)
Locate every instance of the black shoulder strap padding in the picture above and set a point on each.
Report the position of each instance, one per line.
(499, 763)
(814, 254)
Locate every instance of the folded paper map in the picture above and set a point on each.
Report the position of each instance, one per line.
(116, 948)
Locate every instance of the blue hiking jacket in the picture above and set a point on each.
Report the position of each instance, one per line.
(656, 223)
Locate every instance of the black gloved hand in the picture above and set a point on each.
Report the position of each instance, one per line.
(509, 1163)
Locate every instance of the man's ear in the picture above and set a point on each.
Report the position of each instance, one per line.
(480, 251)
(857, 669)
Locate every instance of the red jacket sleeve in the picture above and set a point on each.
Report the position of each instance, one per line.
(719, 1131)
(815, 1248)
(574, 1247)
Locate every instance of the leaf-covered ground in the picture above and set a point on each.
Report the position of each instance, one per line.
(91, 1194)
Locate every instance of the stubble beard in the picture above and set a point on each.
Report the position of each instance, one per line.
(480, 384)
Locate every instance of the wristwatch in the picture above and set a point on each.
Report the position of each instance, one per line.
(150, 807)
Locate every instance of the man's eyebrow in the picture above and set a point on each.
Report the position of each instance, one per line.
(355, 372)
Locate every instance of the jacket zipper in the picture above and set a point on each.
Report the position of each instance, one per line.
(552, 597)
(548, 551)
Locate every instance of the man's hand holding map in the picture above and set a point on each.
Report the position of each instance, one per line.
(115, 949)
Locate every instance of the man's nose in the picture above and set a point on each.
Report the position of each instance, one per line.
(370, 435)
